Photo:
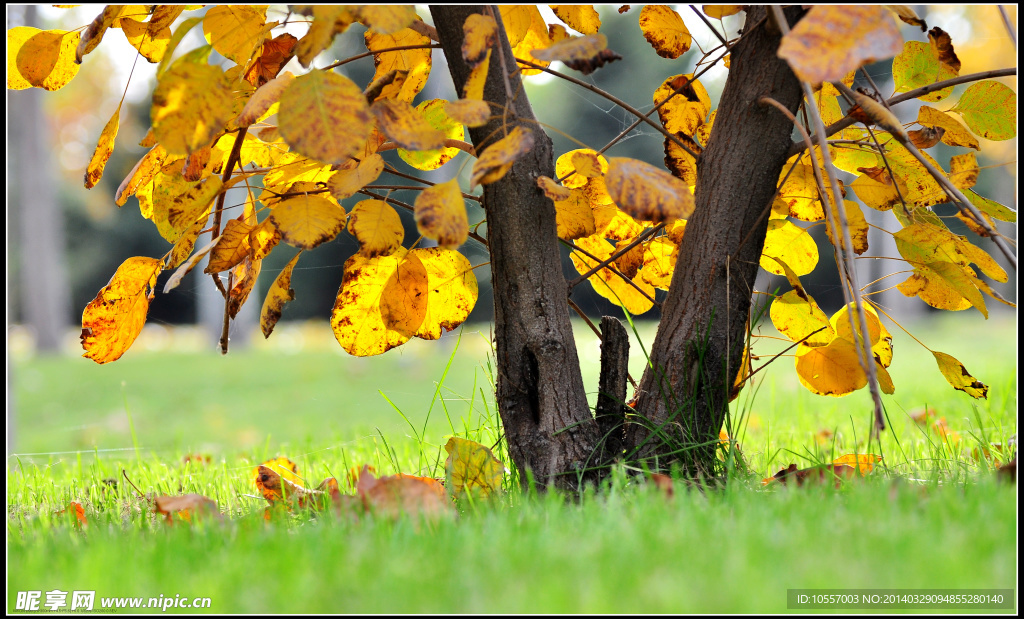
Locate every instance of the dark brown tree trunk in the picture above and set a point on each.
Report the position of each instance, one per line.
(549, 427)
(696, 354)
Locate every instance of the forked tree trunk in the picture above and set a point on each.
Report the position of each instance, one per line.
(697, 352)
(550, 430)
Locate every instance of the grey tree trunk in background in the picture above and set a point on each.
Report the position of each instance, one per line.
(44, 301)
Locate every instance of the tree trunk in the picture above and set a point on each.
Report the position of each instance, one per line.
(695, 357)
(551, 433)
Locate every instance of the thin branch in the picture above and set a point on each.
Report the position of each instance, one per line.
(838, 126)
(379, 51)
(619, 102)
(1009, 27)
(710, 27)
(227, 316)
(643, 236)
(448, 143)
(233, 158)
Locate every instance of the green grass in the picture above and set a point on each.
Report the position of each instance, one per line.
(931, 517)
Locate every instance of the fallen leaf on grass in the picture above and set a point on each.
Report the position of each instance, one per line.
(79, 512)
(813, 474)
(662, 482)
(186, 507)
(400, 494)
(471, 468)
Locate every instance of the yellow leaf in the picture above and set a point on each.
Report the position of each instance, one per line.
(555, 191)
(679, 162)
(177, 204)
(791, 244)
(879, 114)
(955, 135)
(328, 20)
(416, 62)
(840, 322)
(377, 227)
(963, 171)
(191, 105)
(865, 463)
(918, 65)
(112, 321)
(957, 375)
(565, 167)
(831, 41)
(796, 316)
(907, 15)
(534, 37)
(324, 116)
(345, 183)
(664, 30)
(309, 220)
(471, 469)
(499, 157)
(441, 214)
(282, 467)
(686, 111)
(291, 168)
(280, 293)
(473, 89)
(470, 112)
(263, 238)
(881, 196)
(718, 11)
(436, 118)
(830, 370)
(607, 283)
(47, 59)
(574, 218)
(480, 33)
(580, 17)
(451, 289)
(262, 100)
(800, 193)
(612, 223)
(16, 37)
(186, 267)
(647, 193)
(405, 126)
(574, 49)
(232, 248)
(151, 45)
(660, 256)
(386, 19)
(235, 31)
(991, 208)
(104, 147)
(516, 19)
(858, 227)
(945, 285)
(356, 319)
(990, 109)
(588, 164)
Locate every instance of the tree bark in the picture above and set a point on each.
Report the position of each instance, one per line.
(695, 357)
(551, 433)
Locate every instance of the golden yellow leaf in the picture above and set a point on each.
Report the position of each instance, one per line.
(957, 375)
(328, 20)
(471, 469)
(516, 19)
(470, 112)
(434, 113)
(675, 230)
(574, 49)
(191, 105)
(555, 191)
(324, 116)
(451, 289)
(187, 266)
(176, 203)
(377, 227)
(945, 285)
(664, 30)
(612, 223)
(718, 11)
(473, 89)
(345, 183)
(865, 463)
(416, 62)
(535, 36)
(679, 162)
(309, 220)
(283, 469)
(963, 171)
(879, 195)
(831, 41)
(565, 168)
(832, 370)
(685, 112)
(800, 193)
(356, 319)
(386, 19)
(840, 322)
(263, 238)
(990, 109)
(647, 193)
(588, 164)
(580, 17)
(151, 45)
(499, 157)
(918, 65)
(406, 126)
(280, 293)
(574, 217)
(796, 316)
(955, 135)
(232, 248)
(16, 37)
(290, 168)
(46, 59)
(441, 214)
(262, 100)
(660, 256)
(235, 31)
(607, 283)
(104, 147)
(858, 227)
(112, 321)
(480, 33)
(791, 244)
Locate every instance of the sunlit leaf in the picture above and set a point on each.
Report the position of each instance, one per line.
(865, 463)
(112, 321)
(471, 469)
(918, 65)
(415, 62)
(858, 227)
(990, 109)
(607, 283)
(104, 147)
(280, 293)
(324, 116)
(832, 370)
(481, 31)
(957, 375)
(797, 317)
(646, 192)
(659, 262)
(328, 20)
(191, 104)
(499, 157)
(232, 248)
(791, 244)
(46, 59)
(565, 169)
(309, 220)
(831, 41)
(555, 191)
(955, 135)
(356, 320)
(533, 36)
(262, 100)
(580, 17)
(186, 266)
(377, 227)
(386, 19)
(345, 183)
(574, 217)
(441, 214)
(235, 31)
(664, 30)
(434, 112)
(686, 111)
(470, 112)
(451, 289)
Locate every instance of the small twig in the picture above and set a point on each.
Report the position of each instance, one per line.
(619, 102)
(227, 315)
(379, 51)
(643, 236)
(448, 143)
(425, 29)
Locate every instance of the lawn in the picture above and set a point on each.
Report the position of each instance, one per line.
(932, 516)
